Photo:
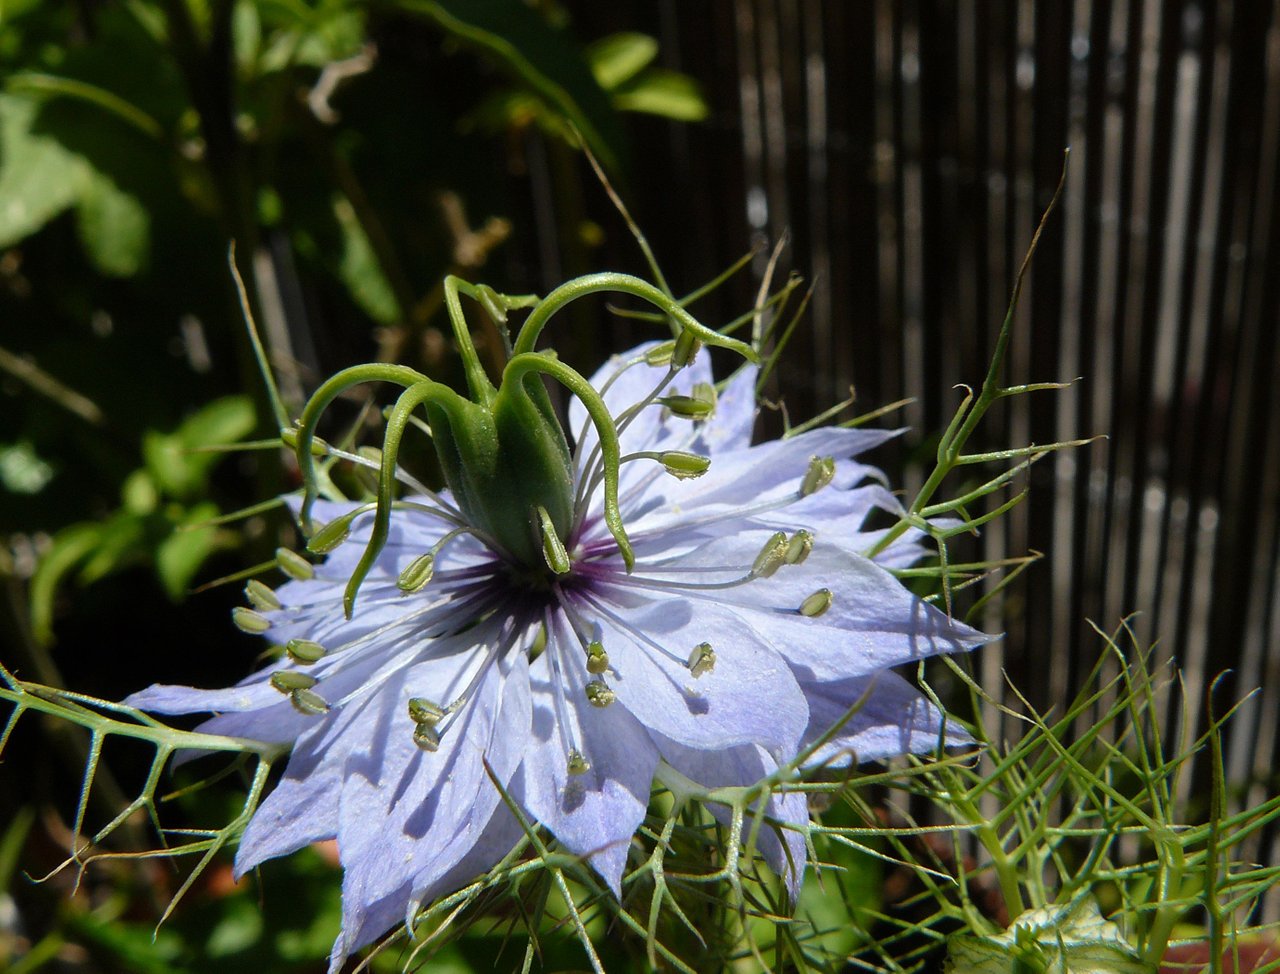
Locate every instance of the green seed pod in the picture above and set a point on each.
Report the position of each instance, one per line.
(304, 651)
(294, 565)
(418, 574)
(286, 681)
(817, 603)
(260, 596)
(246, 620)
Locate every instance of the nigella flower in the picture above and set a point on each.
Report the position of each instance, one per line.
(664, 601)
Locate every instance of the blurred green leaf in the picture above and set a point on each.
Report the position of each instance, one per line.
(180, 555)
(175, 460)
(660, 92)
(135, 946)
(620, 57)
(547, 59)
(39, 178)
(120, 539)
(360, 271)
(114, 227)
(69, 547)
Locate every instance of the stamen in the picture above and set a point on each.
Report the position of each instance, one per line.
(599, 694)
(687, 407)
(286, 681)
(820, 473)
(261, 596)
(578, 764)
(702, 660)
(426, 737)
(772, 556)
(552, 547)
(687, 346)
(305, 651)
(661, 353)
(424, 711)
(294, 565)
(247, 620)
(289, 437)
(336, 531)
(308, 702)
(798, 547)
(817, 603)
(415, 577)
(597, 658)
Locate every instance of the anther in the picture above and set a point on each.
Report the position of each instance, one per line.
(308, 702)
(820, 473)
(260, 596)
(599, 694)
(330, 536)
(304, 651)
(246, 620)
(423, 711)
(368, 476)
(702, 660)
(684, 466)
(415, 577)
(597, 658)
(287, 681)
(425, 736)
(687, 346)
(577, 762)
(660, 354)
(817, 603)
(294, 565)
(771, 555)
(289, 437)
(687, 407)
(552, 547)
(798, 547)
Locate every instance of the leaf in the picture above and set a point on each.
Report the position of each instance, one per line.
(114, 227)
(120, 538)
(661, 92)
(180, 555)
(70, 545)
(620, 57)
(174, 459)
(360, 271)
(547, 59)
(39, 178)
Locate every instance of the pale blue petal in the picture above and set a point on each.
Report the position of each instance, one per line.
(648, 648)
(782, 848)
(892, 718)
(596, 813)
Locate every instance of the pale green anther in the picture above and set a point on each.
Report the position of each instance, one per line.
(294, 565)
(705, 392)
(260, 596)
(817, 603)
(798, 547)
(577, 762)
(424, 711)
(246, 620)
(308, 702)
(684, 466)
(597, 659)
(425, 736)
(415, 577)
(368, 476)
(771, 555)
(702, 660)
(552, 546)
(330, 536)
(660, 354)
(286, 681)
(821, 471)
(289, 437)
(687, 407)
(687, 346)
(304, 651)
(599, 694)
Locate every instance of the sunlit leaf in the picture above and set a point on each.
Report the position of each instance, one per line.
(180, 555)
(39, 178)
(114, 227)
(620, 57)
(69, 547)
(660, 92)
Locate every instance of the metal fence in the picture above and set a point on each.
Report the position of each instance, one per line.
(908, 149)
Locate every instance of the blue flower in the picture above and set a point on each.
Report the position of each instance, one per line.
(748, 624)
